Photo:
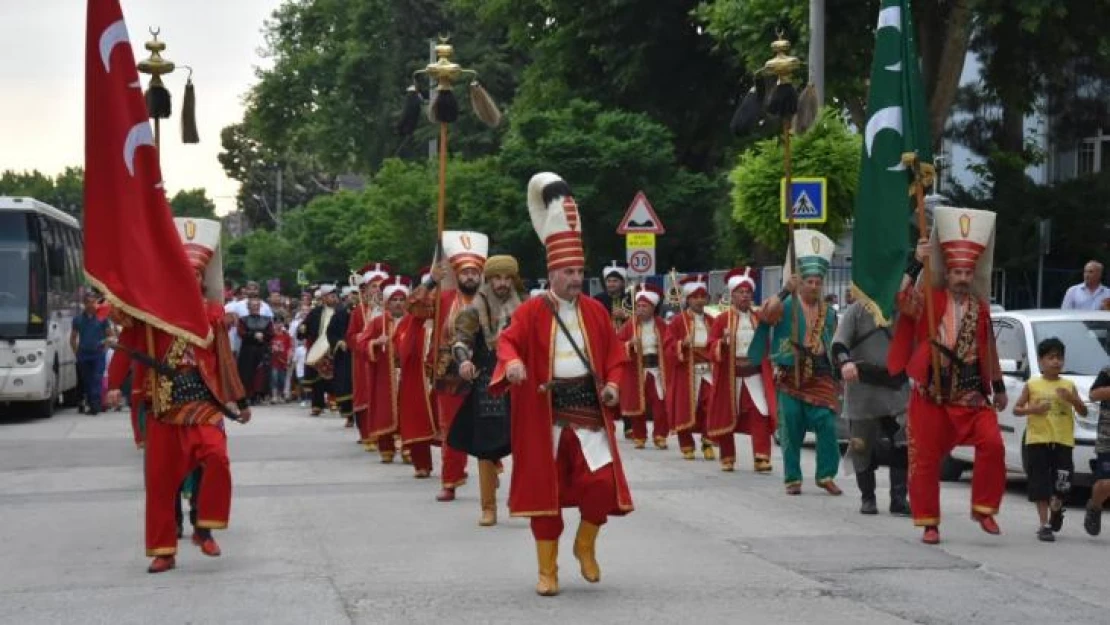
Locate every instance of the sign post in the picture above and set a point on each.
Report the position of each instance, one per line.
(639, 227)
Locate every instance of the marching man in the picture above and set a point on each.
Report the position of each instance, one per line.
(379, 342)
(801, 326)
(644, 380)
(690, 388)
(743, 391)
(562, 358)
(956, 404)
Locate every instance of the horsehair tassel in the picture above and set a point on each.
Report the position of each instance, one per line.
(784, 101)
(158, 101)
(747, 114)
(807, 109)
(189, 132)
(432, 106)
(445, 108)
(410, 114)
(484, 106)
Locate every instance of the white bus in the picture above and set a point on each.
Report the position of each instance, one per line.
(40, 288)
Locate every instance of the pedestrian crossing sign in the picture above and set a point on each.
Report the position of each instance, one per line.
(808, 199)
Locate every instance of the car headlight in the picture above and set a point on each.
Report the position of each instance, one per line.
(31, 358)
(21, 360)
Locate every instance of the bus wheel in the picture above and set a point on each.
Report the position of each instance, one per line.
(45, 409)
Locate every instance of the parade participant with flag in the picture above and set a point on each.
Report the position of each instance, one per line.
(184, 362)
(645, 379)
(808, 391)
(562, 360)
(956, 378)
(743, 391)
(687, 349)
(466, 254)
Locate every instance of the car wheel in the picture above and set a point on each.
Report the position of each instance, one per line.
(45, 409)
(951, 470)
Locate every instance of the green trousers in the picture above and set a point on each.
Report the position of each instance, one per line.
(795, 418)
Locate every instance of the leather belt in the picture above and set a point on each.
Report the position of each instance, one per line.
(651, 361)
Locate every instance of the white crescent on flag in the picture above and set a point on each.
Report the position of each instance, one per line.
(140, 134)
(112, 36)
(883, 119)
(890, 17)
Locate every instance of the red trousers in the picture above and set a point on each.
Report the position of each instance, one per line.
(387, 444)
(654, 405)
(421, 454)
(686, 439)
(758, 430)
(172, 452)
(594, 491)
(454, 461)
(933, 431)
(362, 421)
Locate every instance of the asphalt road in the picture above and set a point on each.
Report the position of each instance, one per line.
(322, 533)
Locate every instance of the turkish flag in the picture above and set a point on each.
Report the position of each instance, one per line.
(133, 253)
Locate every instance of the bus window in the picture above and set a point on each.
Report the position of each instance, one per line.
(22, 281)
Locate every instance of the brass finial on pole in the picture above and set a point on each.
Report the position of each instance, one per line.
(158, 101)
(784, 103)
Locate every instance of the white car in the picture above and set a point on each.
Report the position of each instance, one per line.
(1086, 337)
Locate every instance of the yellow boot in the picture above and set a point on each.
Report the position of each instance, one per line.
(585, 545)
(707, 450)
(547, 552)
(487, 489)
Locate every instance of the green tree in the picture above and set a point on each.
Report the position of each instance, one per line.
(828, 150)
(65, 191)
(943, 31)
(193, 203)
(607, 156)
(641, 56)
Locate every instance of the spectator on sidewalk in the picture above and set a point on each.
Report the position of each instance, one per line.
(281, 352)
(1089, 294)
(87, 341)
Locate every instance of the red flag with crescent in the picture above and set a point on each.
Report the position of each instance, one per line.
(133, 253)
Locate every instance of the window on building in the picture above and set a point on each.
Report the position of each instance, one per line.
(1093, 154)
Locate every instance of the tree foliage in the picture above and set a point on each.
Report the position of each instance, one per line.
(828, 150)
(193, 203)
(66, 191)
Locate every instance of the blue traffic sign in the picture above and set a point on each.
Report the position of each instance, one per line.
(809, 199)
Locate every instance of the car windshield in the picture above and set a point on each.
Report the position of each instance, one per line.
(20, 315)
(1087, 343)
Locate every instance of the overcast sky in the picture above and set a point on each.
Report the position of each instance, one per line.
(42, 79)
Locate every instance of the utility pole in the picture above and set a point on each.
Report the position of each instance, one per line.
(817, 48)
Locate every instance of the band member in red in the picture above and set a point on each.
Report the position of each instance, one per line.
(687, 348)
(370, 278)
(564, 363)
(185, 424)
(743, 391)
(466, 252)
(956, 404)
(380, 344)
(645, 380)
(419, 426)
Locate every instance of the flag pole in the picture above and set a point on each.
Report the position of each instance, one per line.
(922, 175)
(784, 103)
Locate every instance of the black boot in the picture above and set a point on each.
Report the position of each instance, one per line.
(899, 506)
(866, 482)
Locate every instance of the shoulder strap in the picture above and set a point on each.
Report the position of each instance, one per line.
(566, 333)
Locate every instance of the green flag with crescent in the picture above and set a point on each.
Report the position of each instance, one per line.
(897, 123)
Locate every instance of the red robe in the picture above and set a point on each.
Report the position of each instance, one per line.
(530, 339)
(418, 415)
(449, 305)
(722, 419)
(909, 349)
(633, 398)
(360, 373)
(681, 392)
(216, 363)
(384, 409)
